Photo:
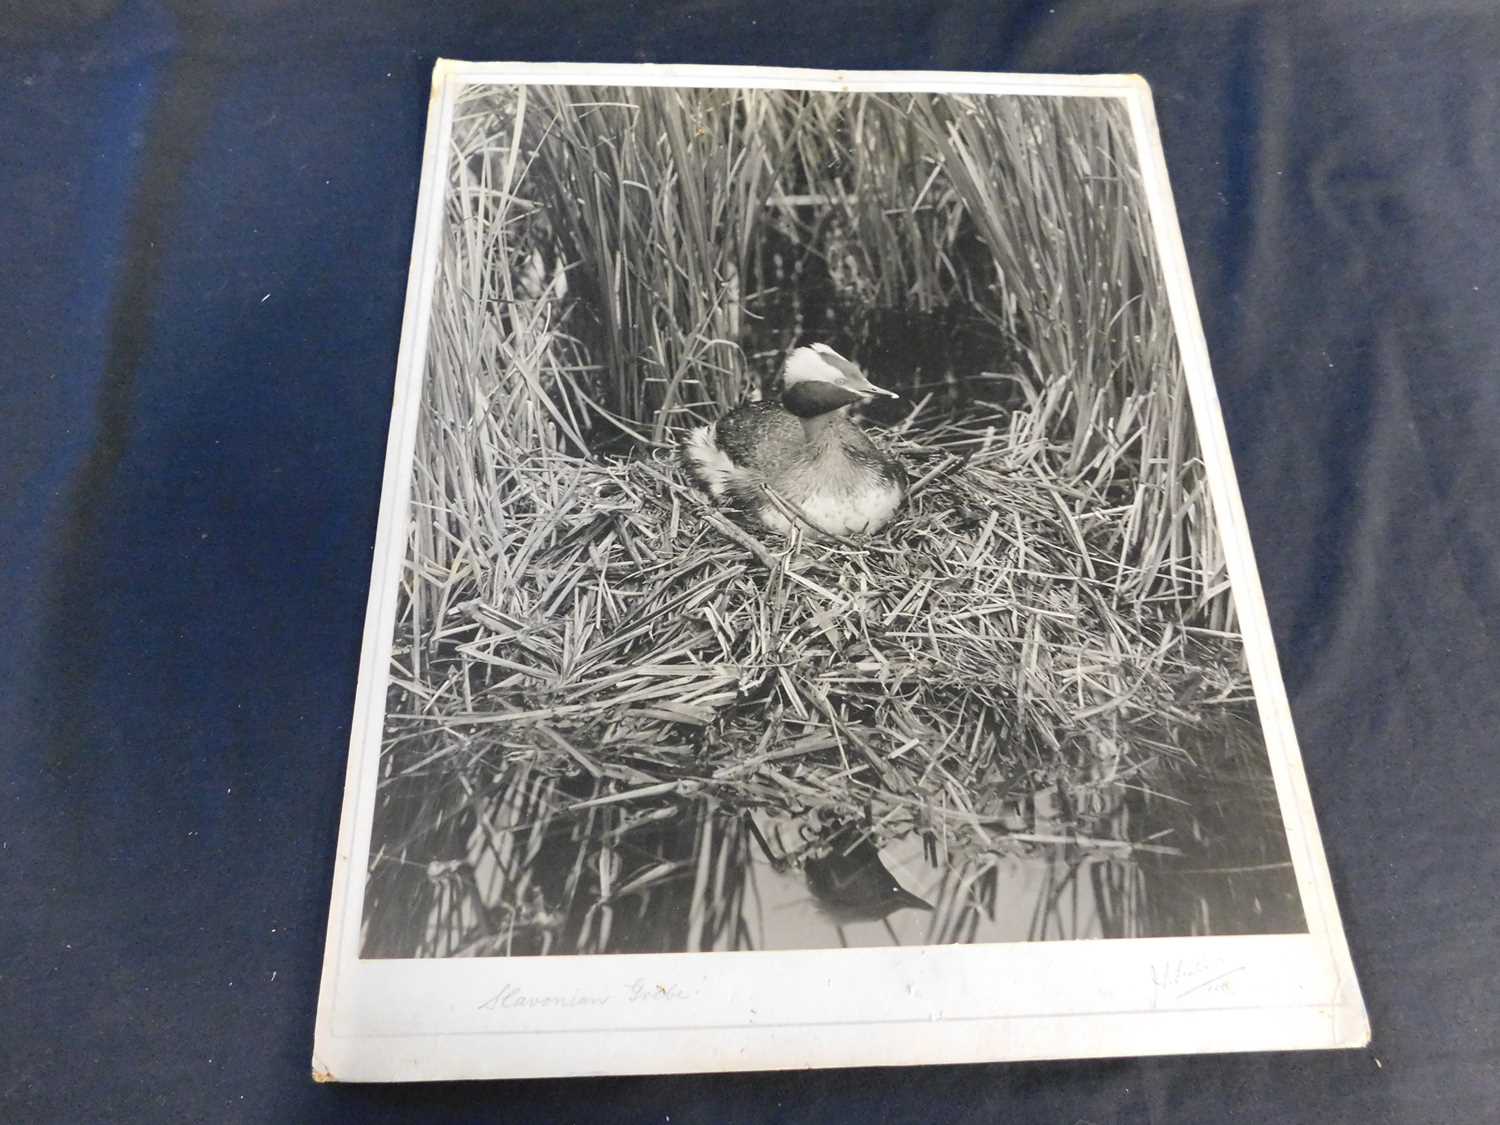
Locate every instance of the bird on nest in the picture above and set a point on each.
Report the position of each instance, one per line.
(801, 460)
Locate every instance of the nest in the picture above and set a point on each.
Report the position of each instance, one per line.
(978, 651)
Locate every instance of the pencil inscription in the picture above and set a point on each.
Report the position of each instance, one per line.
(639, 991)
(512, 996)
(1177, 980)
(653, 992)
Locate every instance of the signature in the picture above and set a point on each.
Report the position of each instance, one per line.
(1177, 980)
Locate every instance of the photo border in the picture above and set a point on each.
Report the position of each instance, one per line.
(418, 1019)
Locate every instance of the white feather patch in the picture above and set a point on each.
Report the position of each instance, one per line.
(843, 515)
(710, 464)
(772, 519)
(807, 365)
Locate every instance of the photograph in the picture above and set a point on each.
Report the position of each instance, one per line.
(807, 542)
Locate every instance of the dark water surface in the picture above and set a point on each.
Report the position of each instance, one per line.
(540, 865)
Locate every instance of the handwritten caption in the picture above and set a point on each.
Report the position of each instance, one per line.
(639, 991)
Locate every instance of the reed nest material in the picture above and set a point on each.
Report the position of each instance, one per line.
(977, 650)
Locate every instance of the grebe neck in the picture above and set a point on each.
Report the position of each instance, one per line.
(819, 427)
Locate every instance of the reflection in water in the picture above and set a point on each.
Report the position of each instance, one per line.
(847, 876)
(537, 864)
(851, 882)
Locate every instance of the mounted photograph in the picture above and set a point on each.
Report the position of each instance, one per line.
(809, 551)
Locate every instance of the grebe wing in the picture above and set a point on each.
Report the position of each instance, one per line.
(748, 432)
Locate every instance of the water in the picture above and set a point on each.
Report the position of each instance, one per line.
(539, 866)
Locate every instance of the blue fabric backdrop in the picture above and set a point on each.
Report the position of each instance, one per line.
(205, 214)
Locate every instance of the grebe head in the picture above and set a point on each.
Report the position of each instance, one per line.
(819, 380)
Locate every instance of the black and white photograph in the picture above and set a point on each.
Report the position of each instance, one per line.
(808, 544)
(805, 543)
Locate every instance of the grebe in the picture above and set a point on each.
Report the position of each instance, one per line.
(805, 448)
